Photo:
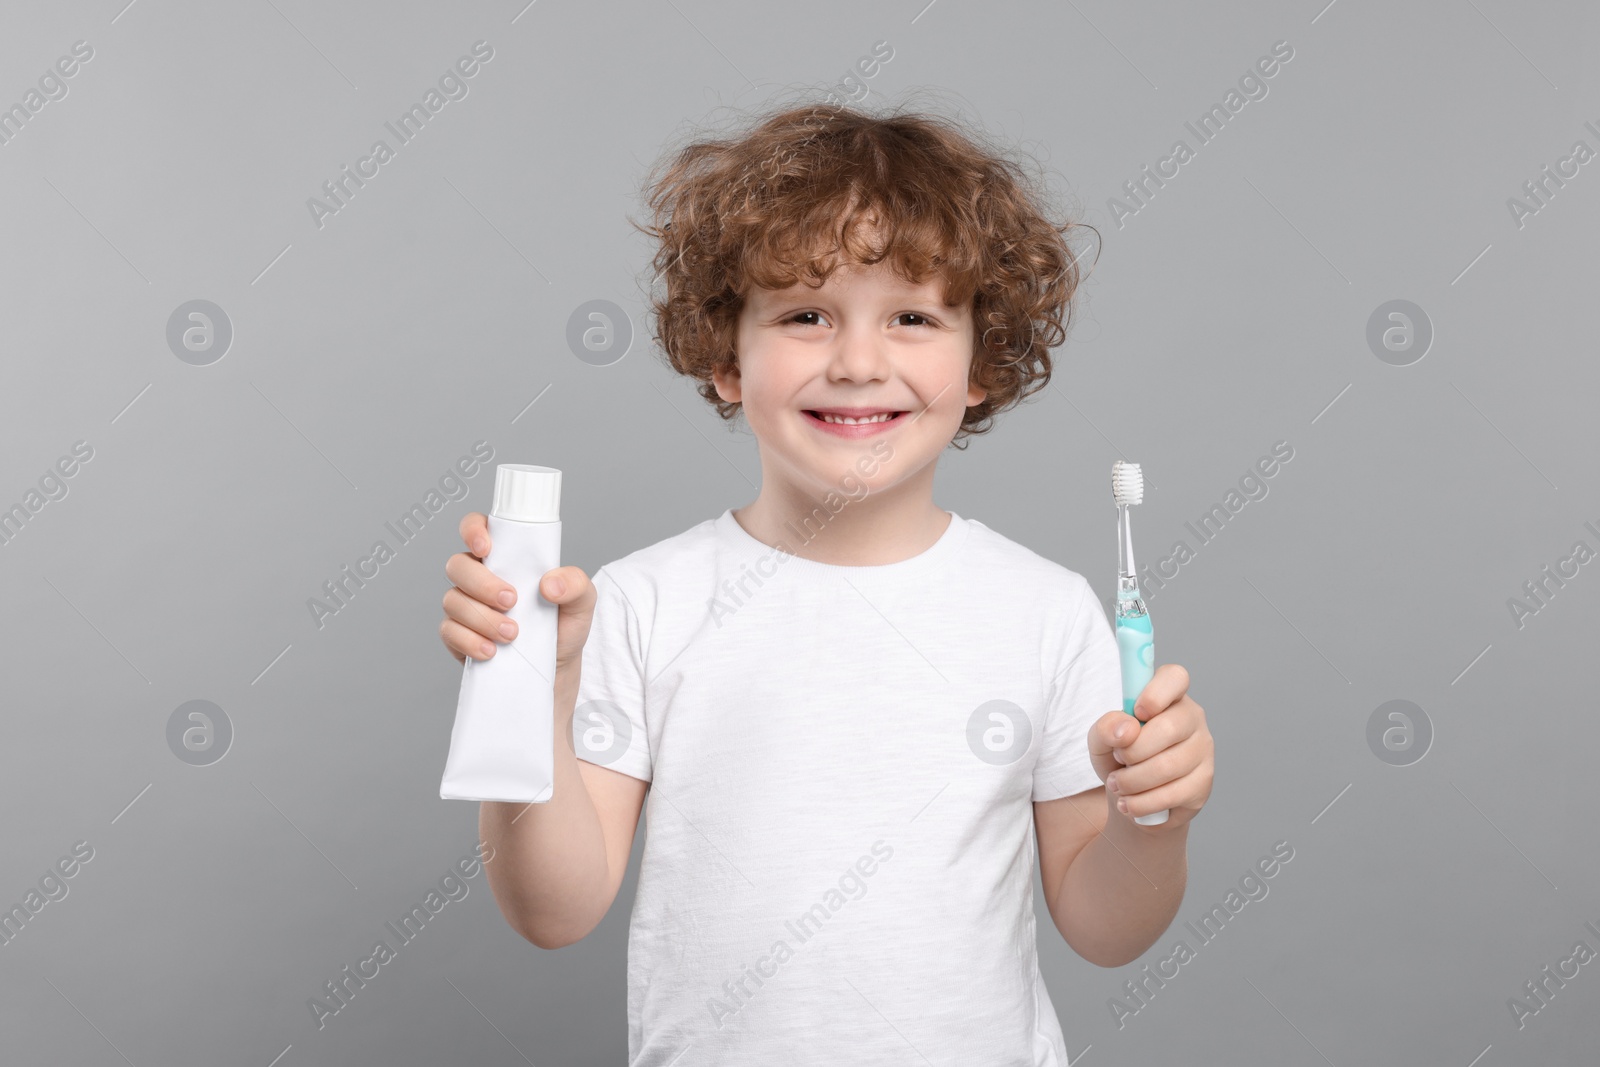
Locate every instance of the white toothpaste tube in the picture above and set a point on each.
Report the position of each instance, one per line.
(502, 746)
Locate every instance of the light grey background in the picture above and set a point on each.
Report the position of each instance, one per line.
(368, 355)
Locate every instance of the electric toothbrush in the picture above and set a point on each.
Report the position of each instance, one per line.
(1135, 640)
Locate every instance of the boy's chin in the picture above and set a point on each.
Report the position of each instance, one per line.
(858, 468)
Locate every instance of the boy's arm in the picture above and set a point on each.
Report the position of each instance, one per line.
(1112, 886)
(558, 865)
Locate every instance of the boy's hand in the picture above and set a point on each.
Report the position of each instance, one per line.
(474, 606)
(1166, 762)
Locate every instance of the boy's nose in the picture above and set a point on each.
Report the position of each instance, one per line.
(858, 357)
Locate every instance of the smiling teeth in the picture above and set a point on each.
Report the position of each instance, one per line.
(844, 421)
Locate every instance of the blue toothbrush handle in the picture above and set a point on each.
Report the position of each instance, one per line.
(1136, 646)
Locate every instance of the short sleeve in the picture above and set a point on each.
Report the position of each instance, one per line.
(1085, 682)
(608, 724)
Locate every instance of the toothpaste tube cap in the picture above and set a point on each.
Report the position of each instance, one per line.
(525, 493)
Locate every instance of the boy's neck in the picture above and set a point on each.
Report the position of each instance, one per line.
(869, 530)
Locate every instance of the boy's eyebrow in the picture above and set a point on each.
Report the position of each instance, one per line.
(803, 292)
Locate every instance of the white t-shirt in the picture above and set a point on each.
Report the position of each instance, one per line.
(839, 853)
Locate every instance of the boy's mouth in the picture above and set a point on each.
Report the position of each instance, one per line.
(857, 423)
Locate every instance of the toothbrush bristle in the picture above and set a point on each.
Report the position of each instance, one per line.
(1127, 483)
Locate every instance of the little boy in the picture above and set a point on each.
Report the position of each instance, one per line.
(851, 711)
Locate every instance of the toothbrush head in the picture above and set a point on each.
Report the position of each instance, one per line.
(1127, 483)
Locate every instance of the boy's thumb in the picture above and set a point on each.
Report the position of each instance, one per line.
(563, 583)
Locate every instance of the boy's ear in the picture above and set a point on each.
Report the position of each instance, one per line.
(726, 379)
(976, 394)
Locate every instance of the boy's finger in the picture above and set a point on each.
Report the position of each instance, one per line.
(1103, 739)
(475, 533)
(569, 587)
(463, 642)
(577, 601)
(1166, 687)
(475, 579)
(478, 617)
(1137, 741)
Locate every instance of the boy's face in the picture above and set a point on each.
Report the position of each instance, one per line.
(867, 339)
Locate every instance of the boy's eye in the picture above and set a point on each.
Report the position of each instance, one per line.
(921, 319)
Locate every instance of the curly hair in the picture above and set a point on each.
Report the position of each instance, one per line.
(778, 202)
